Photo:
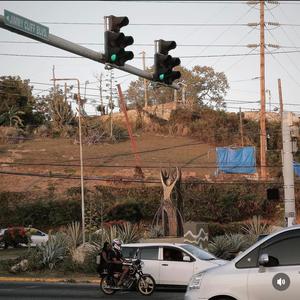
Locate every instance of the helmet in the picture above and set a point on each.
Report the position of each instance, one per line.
(116, 244)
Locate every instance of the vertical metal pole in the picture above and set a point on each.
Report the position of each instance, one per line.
(81, 164)
(65, 92)
(101, 97)
(80, 153)
(280, 98)
(145, 80)
(262, 93)
(53, 78)
(288, 170)
(241, 128)
(111, 106)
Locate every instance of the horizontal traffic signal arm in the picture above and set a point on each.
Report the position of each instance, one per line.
(66, 45)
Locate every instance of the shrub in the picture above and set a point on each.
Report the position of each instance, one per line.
(129, 211)
(74, 234)
(54, 250)
(228, 246)
(155, 232)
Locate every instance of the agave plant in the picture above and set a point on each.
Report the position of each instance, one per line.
(228, 246)
(256, 227)
(54, 250)
(156, 232)
(74, 233)
(129, 233)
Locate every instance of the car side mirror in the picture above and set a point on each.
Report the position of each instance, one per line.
(186, 258)
(263, 260)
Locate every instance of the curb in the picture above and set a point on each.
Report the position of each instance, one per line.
(50, 280)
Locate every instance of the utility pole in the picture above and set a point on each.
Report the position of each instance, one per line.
(241, 128)
(111, 106)
(262, 93)
(100, 89)
(65, 92)
(288, 170)
(280, 98)
(145, 80)
(53, 78)
(79, 103)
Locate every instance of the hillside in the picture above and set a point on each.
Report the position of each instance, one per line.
(59, 156)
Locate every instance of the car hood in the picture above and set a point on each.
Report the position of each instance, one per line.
(219, 262)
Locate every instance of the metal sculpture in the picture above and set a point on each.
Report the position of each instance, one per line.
(167, 208)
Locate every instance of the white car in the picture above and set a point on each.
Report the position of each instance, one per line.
(38, 237)
(269, 270)
(171, 264)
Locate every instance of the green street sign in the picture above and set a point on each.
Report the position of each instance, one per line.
(25, 25)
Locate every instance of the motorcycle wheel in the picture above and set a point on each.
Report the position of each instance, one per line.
(104, 285)
(146, 285)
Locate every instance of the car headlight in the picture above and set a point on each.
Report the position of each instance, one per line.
(195, 281)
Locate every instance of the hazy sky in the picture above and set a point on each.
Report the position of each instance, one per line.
(207, 39)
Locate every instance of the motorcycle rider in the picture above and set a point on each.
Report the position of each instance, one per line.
(116, 259)
(104, 258)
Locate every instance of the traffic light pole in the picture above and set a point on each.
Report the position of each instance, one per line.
(66, 45)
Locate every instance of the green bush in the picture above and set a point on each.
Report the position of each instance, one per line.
(128, 211)
(217, 229)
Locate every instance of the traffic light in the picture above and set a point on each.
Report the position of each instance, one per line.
(115, 41)
(164, 63)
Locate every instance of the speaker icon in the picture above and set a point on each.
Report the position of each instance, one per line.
(280, 281)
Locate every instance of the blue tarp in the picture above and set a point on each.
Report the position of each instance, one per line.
(236, 160)
(297, 168)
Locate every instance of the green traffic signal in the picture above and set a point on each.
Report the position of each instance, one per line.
(161, 77)
(113, 57)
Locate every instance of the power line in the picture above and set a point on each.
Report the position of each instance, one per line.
(128, 180)
(222, 33)
(150, 57)
(150, 24)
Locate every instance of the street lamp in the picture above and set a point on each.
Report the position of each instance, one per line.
(80, 150)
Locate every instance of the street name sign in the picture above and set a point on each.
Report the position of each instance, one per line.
(25, 25)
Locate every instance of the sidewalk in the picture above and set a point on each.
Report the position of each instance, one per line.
(76, 278)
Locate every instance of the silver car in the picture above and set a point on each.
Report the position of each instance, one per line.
(269, 270)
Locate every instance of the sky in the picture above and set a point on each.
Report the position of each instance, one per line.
(201, 29)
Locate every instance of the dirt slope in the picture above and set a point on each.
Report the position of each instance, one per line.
(53, 156)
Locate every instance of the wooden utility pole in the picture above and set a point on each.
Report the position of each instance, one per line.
(263, 146)
(241, 128)
(145, 80)
(280, 98)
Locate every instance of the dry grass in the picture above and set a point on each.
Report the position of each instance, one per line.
(156, 152)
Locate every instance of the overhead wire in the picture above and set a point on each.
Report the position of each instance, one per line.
(291, 60)
(220, 35)
(150, 57)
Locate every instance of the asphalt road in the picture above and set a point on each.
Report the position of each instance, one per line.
(57, 291)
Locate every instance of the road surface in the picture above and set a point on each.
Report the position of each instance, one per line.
(72, 291)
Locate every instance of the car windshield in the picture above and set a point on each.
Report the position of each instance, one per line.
(198, 252)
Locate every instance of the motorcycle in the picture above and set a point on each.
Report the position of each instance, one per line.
(144, 283)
